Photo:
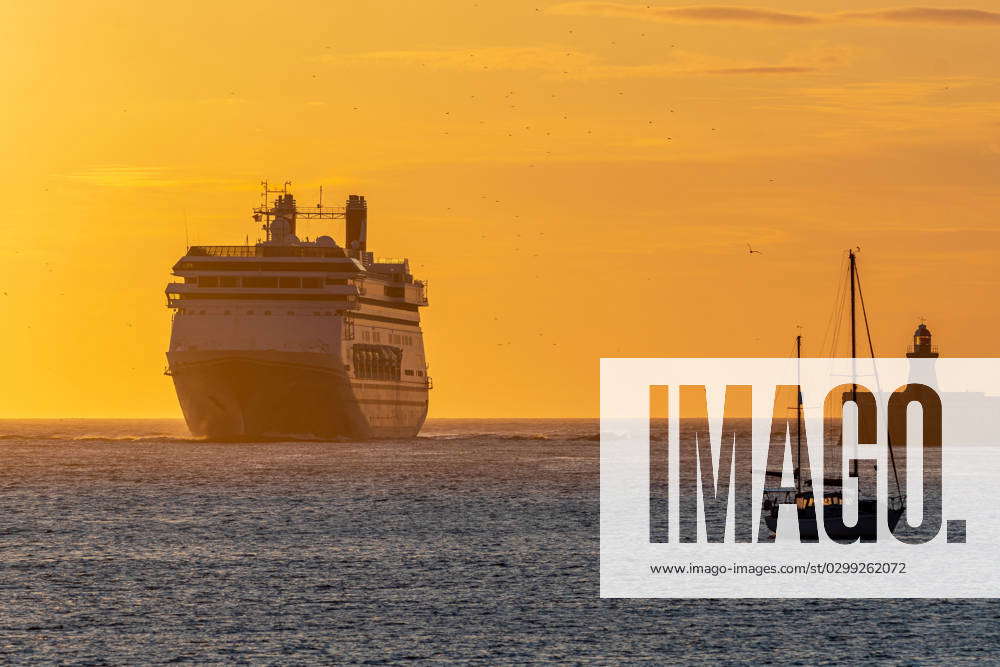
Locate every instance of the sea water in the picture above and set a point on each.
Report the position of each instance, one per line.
(127, 541)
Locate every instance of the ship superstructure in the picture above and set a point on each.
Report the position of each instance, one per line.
(298, 338)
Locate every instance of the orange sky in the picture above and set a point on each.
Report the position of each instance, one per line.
(575, 180)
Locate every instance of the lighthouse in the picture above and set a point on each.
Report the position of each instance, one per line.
(922, 372)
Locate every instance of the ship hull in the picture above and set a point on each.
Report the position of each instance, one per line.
(865, 528)
(269, 395)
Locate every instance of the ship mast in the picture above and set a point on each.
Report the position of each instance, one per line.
(798, 413)
(284, 206)
(854, 351)
(871, 351)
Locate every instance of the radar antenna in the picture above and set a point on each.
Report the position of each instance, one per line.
(284, 205)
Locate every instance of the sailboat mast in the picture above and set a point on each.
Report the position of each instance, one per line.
(854, 342)
(798, 413)
(854, 339)
(871, 351)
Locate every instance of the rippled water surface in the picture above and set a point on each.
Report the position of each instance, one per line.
(126, 541)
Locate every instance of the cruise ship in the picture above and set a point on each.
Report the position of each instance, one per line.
(298, 338)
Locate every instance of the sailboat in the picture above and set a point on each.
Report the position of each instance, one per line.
(866, 526)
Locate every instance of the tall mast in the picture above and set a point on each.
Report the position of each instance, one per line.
(871, 352)
(854, 351)
(798, 413)
(854, 342)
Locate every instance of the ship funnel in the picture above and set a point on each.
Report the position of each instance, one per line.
(356, 217)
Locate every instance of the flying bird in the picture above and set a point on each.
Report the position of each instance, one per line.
(751, 251)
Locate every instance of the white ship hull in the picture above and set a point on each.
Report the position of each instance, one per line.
(250, 395)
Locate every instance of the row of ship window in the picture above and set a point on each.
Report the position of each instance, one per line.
(293, 282)
(368, 336)
(375, 336)
(192, 311)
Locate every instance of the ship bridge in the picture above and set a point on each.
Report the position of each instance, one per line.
(283, 268)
